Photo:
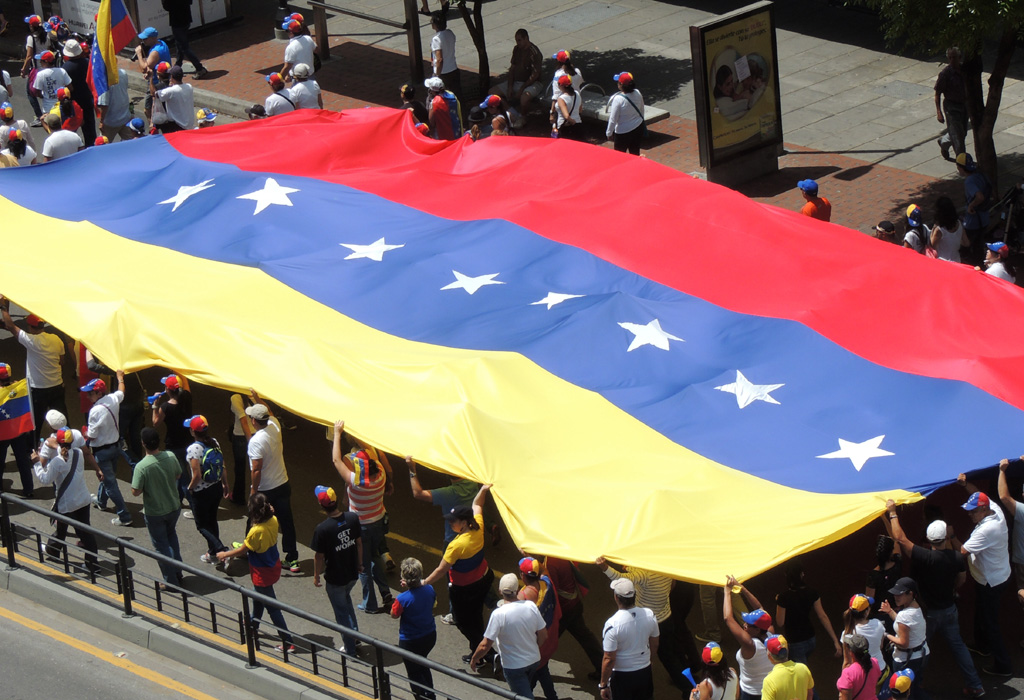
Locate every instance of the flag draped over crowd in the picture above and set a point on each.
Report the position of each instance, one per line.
(646, 366)
(114, 31)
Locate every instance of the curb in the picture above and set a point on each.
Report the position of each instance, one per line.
(156, 638)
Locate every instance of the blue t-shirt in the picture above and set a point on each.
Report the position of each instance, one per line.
(165, 55)
(975, 183)
(461, 493)
(417, 612)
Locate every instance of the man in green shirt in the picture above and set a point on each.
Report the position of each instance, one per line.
(156, 480)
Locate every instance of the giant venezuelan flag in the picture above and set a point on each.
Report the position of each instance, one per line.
(647, 366)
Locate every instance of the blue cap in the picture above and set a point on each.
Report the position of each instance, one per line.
(808, 186)
(914, 215)
(137, 125)
(149, 33)
(94, 385)
(977, 500)
(998, 247)
(758, 618)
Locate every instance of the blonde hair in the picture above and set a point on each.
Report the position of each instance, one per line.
(412, 572)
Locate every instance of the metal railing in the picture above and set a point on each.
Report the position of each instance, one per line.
(139, 593)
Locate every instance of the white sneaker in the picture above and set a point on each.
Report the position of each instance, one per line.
(188, 515)
(207, 559)
(448, 619)
(118, 521)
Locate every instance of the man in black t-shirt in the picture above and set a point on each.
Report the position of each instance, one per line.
(338, 544)
(939, 570)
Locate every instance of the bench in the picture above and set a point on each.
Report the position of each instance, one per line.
(595, 106)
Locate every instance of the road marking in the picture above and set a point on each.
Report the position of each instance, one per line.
(107, 656)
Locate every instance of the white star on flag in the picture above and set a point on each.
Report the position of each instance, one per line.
(649, 334)
(555, 298)
(272, 193)
(858, 452)
(747, 392)
(374, 251)
(186, 191)
(471, 284)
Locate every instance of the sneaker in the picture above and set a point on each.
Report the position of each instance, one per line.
(236, 545)
(974, 692)
(36, 122)
(467, 658)
(293, 566)
(389, 563)
(448, 619)
(96, 503)
(975, 649)
(207, 559)
(200, 73)
(122, 523)
(188, 515)
(994, 671)
(281, 647)
(369, 611)
(944, 149)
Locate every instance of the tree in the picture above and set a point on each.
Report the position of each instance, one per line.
(475, 24)
(935, 25)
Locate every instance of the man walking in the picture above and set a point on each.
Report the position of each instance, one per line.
(442, 54)
(814, 206)
(42, 365)
(951, 104)
(518, 630)
(788, 680)
(105, 442)
(338, 544)
(61, 464)
(156, 480)
(270, 477)
(180, 16)
(629, 639)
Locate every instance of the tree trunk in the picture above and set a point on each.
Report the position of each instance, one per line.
(984, 112)
(475, 25)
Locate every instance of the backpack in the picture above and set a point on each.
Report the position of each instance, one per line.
(455, 111)
(211, 466)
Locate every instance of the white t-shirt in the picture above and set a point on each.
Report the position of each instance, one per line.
(266, 445)
(62, 143)
(513, 628)
(49, 81)
(445, 41)
(116, 100)
(57, 469)
(622, 118)
(874, 631)
(948, 247)
(997, 269)
(196, 451)
(179, 105)
(26, 159)
(300, 50)
(277, 103)
(572, 105)
(628, 633)
(989, 559)
(304, 94)
(42, 362)
(577, 80)
(913, 619)
(103, 428)
(5, 129)
(754, 670)
(5, 96)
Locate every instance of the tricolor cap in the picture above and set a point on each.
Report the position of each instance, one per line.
(101, 141)
(623, 77)
(562, 56)
(914, 215)
(163, 67)
(564, 81)
(758, 618)
(712, 654)
(528, 566)
(292, 25)
(32, 319)
(15, 135)
(999, 248)
(33, 20)
(149, 33)
(171, 381)
(965, 161)
(275, 79)
(197, 423)
(63, 93)
(94, 385)
(808, 186)
(137, 125)
(46, 56)
(777, 646)
(295, 16)
(861, 602)
(491, 101)
(205, 115)
(623, 588)
(900, 682)
(423, 128)
(5, 370)
(977, 500)
(7, 110)
(65, 436)
(325, 496)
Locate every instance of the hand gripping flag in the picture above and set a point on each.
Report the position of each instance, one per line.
(630, 355)
(114, 31)
(15, 410)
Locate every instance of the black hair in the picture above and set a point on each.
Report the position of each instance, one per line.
(794, 573)
(863, 657)
(150, 438)
(945, 213)
(569, 68)
(721, 75)
(408, 92)
(883, 549)
(719, 674)
(17, 147)
(439, 20)
(522, 33)
(259, 508)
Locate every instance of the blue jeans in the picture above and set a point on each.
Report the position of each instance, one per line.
(106, 457)
(518, 679)
(276, 616)
(34, 103)
(344, 612)
(373, 565)
(164, 536)
(947, 622)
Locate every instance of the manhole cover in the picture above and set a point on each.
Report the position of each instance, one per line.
(577, 18)
(902, 90)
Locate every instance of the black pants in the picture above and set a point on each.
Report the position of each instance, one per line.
(281, 499)
(88, 121)
(453, 82)
(55, 545)
(417, 673)
(180, 35)
(988, 633)
(240, 457)
(22, 448)
(632, 685)
(573, 132)
(468, 608)
(204, 507)
(42, 401)
(629, 142)
(572, 622)
(682, 599)
(130, 417)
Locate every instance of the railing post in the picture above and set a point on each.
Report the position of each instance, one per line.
(8, 534)
(384, 682)
(126, 580)
(250, 634)
(323, 39)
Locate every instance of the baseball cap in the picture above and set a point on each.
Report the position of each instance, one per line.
(808, 186)
(55, 419)
(712, 654)
(861, 602)
(149, 33)
(292, 25)
(433, 83)
(777, 646)
(63, 93)
(5, 370)
(257, 111)
(977, 500)
(936, 532)
(904, 585)
(300, 70)
(205, 115)
(7, 110)
(999, 248)
(15, 135)
(460, 513)
(914, 215)
(886, 226)
(623, 77)
(561, 56)
(33, 20)
(508, 584)
(197, 423)
(564, 80)
(163, 67)
(965, 161)
(101, 141)
(94, 385)
(137, 125)
(490, 101)
(325, 496)
(424, 128)
(176, 72)
(623, 588)
(171, 381)
(72, 49)
(856, 642)
(65, 436)
(528, 566)
(258, 412)
(758, 618)
(32, 319)
(900, 682)
(275, 79)
(46, 56)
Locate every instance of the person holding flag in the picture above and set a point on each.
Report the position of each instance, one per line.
(16, 426)
(114, 31)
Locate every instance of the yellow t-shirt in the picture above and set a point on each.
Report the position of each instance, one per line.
(787, 681)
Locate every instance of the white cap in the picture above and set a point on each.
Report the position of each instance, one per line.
(936, 532)
(56, 420)
(72, 49)
(258, 412)
(300, 70)
(434, 83)
(508, 584)
(623, 588)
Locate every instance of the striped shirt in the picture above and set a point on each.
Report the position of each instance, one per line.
(367, 501)
(651, 590)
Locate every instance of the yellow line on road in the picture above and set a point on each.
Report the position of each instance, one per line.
(110, 658)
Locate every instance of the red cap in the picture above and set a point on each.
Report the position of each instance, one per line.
(63, 93)
(102, 141)
(564, 81)
(33, 320)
